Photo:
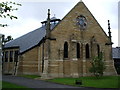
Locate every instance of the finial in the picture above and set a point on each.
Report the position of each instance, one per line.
(109, 24)
(109, 32)
(80, 0)
(54, 15)
(48, 11)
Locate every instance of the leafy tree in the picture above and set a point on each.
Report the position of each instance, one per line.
(98, 65)
(5, 9)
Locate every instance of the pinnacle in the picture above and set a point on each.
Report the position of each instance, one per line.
(80, 1)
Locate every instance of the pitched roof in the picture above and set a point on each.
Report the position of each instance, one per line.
(116, 53)
(28, 40)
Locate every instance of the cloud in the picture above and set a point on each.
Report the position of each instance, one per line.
(15, 32)
(115, 37)
(31, 13)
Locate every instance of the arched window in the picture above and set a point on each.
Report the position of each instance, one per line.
(11, 56)
(65, 50)
(16, 56)
(6, 56)
(98, 49)
(78, 50)
(87, 51)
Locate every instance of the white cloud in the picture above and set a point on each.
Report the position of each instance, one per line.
(28, 26)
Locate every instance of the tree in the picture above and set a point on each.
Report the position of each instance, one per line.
(98, 65)
(5, 9)
(4, 40)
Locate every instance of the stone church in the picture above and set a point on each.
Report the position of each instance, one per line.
(60, 48)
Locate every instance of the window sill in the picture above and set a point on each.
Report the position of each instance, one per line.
(65, 58)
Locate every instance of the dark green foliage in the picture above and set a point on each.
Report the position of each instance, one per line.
(98, 66)
(4, 40)
(5, 9)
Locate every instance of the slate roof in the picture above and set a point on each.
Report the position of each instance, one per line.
(28, 40)
(116, 53)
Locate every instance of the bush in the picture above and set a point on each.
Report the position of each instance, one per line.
(98, 65)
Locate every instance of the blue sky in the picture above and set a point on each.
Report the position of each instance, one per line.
(33, 12)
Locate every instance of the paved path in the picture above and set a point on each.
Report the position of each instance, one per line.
(31, 83)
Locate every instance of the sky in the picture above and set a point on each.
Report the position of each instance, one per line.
(119, 24)
(33, 12)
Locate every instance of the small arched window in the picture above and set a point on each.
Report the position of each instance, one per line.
(65, 50)
(98, 49)
(87, 51)
(78, 50)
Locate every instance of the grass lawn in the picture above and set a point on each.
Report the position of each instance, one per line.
(30, 76)
(102, 82)
(11, 85)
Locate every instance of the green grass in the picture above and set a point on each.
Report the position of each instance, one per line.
(11, 85)
(102, 82)
(0, 85)
(30, 76)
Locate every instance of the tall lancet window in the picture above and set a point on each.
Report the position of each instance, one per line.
(78, 50)
(98, 49)
(6, 56)
(11, 56)
(87, 51)
(65, 50)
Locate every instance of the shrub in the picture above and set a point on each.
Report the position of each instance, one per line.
(98, 65)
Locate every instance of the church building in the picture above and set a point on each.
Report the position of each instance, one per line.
(60, 48)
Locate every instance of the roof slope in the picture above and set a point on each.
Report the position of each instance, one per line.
(116, 53)
(28, 40)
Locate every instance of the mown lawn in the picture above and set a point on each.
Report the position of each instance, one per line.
(102, 82)
(11, 85)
